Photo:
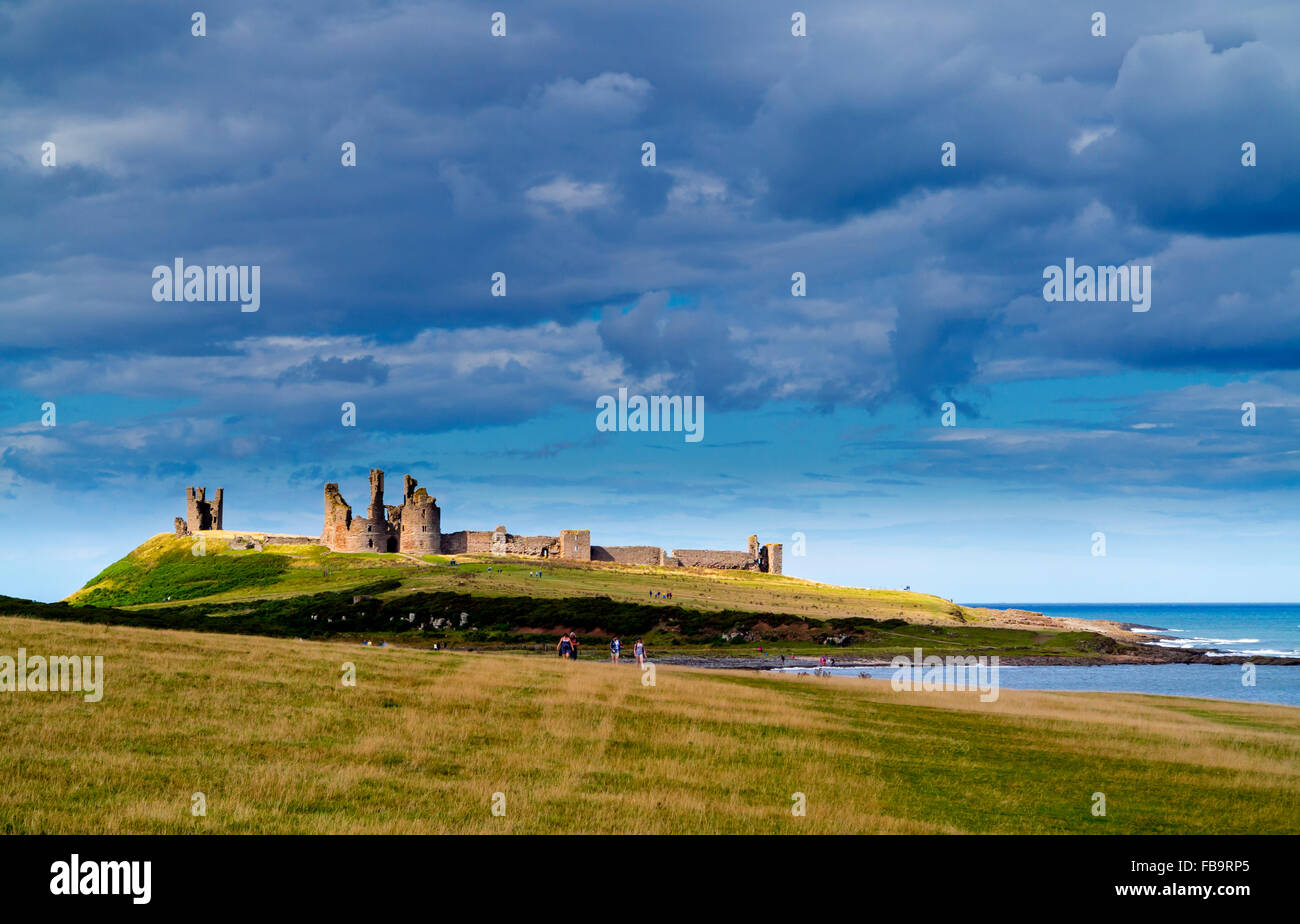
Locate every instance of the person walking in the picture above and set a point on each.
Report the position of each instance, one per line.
(565, 647)
(639, 650)
(573, 641)
(615, 646)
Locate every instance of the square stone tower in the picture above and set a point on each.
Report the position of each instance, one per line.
(575, 544)
(200, 513)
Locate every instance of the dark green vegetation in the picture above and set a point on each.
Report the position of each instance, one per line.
(524, 621)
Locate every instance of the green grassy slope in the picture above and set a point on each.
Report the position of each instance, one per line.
(164, 566)
(306, 591)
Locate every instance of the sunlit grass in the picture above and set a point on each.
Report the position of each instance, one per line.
(313, 569)
(266, 731)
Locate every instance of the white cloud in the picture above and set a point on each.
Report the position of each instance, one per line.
(570, 195)
(1089, 137)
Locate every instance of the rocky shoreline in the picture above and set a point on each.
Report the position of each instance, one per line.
(1157, 656)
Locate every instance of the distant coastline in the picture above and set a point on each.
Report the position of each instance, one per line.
(1225, 633)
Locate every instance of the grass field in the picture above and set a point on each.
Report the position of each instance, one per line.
(266, 731)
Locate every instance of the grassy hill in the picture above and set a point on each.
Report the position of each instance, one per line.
(164, 566)
(265, 730)
(306, 591)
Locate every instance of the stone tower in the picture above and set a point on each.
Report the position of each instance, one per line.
(376, 511)
(772, 558)
(575, 544)
(200, 513)
(418, 521)
(345, 533)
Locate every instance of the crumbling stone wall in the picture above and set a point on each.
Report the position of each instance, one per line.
(467, 542)
(629, 554)
(201, 513)
(536, 546)
(757, 557)
(507, 543)
(182, 528)
(713, 558)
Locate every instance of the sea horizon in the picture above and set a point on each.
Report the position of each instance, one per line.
(1236, 629)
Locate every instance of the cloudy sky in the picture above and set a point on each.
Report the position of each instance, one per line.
(775, 154)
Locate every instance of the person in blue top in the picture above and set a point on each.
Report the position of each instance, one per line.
(614, 648)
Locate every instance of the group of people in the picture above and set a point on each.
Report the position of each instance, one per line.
(568, 648)
(666, 594)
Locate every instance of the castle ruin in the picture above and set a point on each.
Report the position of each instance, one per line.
(415, 527)
(201, 514)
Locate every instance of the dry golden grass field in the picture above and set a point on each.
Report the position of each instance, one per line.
(266, 730)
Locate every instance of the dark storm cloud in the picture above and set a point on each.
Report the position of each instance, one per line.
(522, 155)
(335, 369)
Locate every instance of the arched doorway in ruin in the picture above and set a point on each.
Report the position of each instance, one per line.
(392, 544)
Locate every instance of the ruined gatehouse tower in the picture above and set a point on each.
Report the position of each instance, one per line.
(345, 533)
(415, 526)
(417, 522)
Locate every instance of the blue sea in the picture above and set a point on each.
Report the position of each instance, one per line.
(1273, 683)
(1261, 630)
(1251, 629)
